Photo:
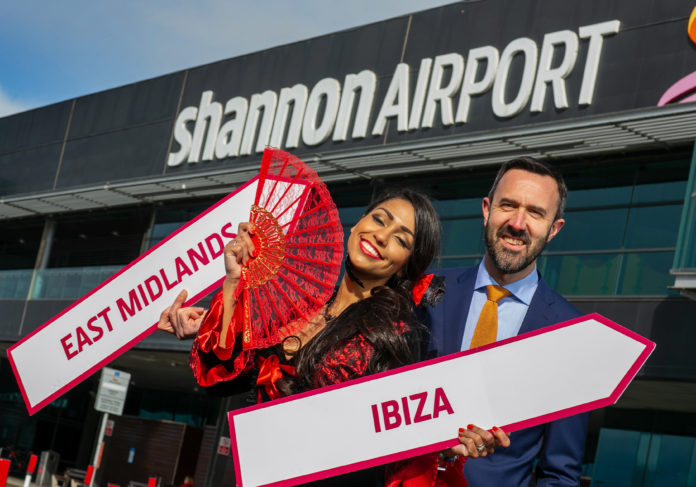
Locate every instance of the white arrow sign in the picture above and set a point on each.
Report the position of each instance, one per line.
(125, 309)
(534, 378)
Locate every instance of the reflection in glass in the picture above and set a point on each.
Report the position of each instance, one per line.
(659, 192)
(462, 236)
(647, 273)
(448, 263)
(591, 230)
(460, 207)
(653, 226)
(82, 240)
(594, 274)
(14, 284)
(70, 282)
(583, 198)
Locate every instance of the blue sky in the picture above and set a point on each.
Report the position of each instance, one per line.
(55, 50)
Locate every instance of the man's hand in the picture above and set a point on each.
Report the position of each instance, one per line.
(182, 322)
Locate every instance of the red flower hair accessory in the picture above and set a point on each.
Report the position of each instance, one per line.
(428, 290)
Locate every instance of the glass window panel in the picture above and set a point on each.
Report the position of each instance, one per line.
(581, 274)
(99, 239)
(19, 244)
(662, 170)
(167, 220)
(446, 263)
(591, 230)
(647, 273)
(70, 282)
(14, 284)
(462, 207)
(462, 236)
(670, 461)
(583, 198)
(349, 216)
(620, 457)
(648, 193)
(160, 231)
(653, 226)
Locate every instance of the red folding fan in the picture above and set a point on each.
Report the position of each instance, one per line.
(299, 249)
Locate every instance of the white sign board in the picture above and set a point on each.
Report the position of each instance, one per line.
(531, 379)
(126, 308)
(113, 388)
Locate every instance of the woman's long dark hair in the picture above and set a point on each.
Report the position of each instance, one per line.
(375, 317)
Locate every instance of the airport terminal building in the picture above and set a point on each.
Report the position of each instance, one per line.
(436, 100)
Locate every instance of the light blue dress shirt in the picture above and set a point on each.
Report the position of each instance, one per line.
(511, 310)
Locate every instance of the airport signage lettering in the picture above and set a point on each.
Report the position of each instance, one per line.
(394, 415)
(240, 127)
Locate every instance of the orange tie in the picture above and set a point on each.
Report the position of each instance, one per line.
(487, 327)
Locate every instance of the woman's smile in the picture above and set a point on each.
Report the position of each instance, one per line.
(370, 250)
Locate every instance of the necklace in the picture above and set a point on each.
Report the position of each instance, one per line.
(351, 274)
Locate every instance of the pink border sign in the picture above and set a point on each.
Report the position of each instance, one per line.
(554, 362)
(125, 309)
(219, 219)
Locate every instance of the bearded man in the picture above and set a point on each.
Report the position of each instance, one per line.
(521, 214)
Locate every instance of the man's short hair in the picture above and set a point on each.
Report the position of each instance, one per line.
(535, 166)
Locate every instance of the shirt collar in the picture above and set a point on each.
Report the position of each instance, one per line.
(522, 290)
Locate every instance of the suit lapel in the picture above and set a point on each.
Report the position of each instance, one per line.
(539, 312)
(458, 309)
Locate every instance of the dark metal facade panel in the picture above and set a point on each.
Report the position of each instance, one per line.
(39, 311)
(131, 153)
(29, 170)
(11, 310)
(128, 106)
(376, 47)
(34, 128)
(650, 53)
(124, 133)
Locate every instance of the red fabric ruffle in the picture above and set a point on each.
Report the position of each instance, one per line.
(422, 471)
(270, 372)
(212, 363)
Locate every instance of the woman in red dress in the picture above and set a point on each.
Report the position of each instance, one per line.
(368, 326)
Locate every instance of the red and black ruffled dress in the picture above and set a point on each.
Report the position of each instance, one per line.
(213, 365)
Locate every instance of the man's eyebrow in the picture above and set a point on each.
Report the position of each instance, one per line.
(539, 209)
(391, 217)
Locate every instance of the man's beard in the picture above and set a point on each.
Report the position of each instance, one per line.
(507, 261)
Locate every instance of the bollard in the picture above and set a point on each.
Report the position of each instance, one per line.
(89, 475)
(4, 471)
(30, 469)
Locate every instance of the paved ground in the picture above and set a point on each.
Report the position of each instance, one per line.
(17, 482)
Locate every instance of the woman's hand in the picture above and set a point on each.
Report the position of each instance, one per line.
(237, 252)
(476, 442)
(182, 322)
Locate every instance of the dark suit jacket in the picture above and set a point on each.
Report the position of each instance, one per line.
(558, 445)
